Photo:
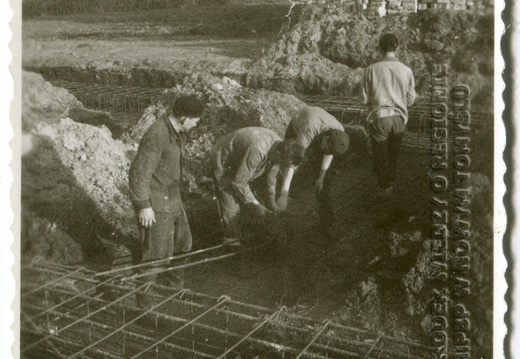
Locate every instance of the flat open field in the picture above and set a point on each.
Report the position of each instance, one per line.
(214, 37)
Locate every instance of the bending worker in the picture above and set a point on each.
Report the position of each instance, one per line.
(155, 189)
(388, 89)
(249, 156)
(323, 137)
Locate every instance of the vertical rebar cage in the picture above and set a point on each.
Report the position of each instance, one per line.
(126, 104)
(67, 313)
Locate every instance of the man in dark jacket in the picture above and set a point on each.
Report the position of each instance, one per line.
(388, 89)
(249, 156)
(323, 138)
(155, 187)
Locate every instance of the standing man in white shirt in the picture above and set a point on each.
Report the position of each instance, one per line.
(388, 89)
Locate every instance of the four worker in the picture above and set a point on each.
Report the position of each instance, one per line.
(245, 164)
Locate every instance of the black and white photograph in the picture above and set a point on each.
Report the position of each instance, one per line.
(257, 179)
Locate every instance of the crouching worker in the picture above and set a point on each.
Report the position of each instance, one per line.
(155, 190)
(249, 156)
(323, 137)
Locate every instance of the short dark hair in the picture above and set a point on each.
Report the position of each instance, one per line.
(388, 42)
(334, 142)
(291, 152)
(188, 106)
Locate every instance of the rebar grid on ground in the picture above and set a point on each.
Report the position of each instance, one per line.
(106, 322)
(241, 316)
(60, 270)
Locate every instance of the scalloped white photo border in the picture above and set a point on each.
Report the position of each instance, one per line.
(10, 132)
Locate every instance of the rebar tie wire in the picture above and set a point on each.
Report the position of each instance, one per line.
(85, 317)
(71, 299)
(40, 331)
(248, 335)
(316, 336)
(220, 301)
(128, 333)
(373, 345)
(128, 323)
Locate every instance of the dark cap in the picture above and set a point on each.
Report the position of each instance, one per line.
(335, 142)
(188, 106)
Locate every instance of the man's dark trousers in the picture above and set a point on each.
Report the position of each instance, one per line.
(169, 234)
(231, 208)
(386, 135)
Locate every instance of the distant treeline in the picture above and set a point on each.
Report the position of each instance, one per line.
(35, 8)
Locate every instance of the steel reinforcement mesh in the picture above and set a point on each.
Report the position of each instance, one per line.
(66, 312)
(127, 104)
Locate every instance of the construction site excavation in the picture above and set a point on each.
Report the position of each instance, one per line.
(99, 77)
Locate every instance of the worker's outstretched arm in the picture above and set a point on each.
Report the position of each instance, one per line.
(284, 193)
(411, 95)
(243, 176)
(325, 164)
(365, 90)
(270, 183)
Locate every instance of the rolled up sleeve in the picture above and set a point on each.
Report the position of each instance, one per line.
(271, 179)
(245, 172)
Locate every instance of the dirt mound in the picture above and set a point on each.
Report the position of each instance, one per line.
(41, 239)
(75, 177)
(399, 267)
(99, 165)
(42, 102)
(345, 44)
(306, 73)
(71, 177)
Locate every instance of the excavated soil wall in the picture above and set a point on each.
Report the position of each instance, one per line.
(318, 52)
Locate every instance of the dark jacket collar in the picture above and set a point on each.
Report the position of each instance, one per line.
(179, 138)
